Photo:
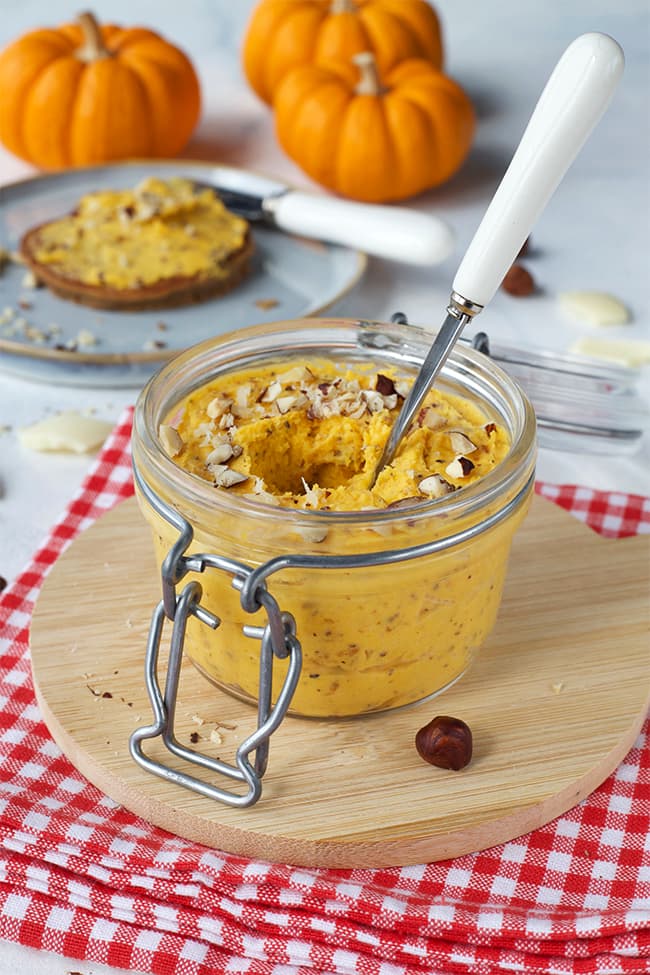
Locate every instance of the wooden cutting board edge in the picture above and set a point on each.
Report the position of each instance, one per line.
(351, 849)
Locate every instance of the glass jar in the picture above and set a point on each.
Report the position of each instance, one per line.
(402, 623)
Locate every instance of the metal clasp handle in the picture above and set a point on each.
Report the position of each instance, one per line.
(277, 639)
(164, 704)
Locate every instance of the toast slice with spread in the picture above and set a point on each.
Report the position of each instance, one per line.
(160, 245)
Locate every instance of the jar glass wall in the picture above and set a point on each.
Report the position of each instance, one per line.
(374, 636)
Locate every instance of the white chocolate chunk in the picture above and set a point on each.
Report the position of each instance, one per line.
(594, 307)
(67, 432)
(626, 352)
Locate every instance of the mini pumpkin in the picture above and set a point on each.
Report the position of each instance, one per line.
(284, 34)
(371, 141)
(80, 94)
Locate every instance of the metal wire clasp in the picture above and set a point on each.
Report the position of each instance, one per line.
(277, 639)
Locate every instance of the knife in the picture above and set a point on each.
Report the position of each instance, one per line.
(394, 233)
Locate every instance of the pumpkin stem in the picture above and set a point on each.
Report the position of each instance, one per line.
(93, 47)
(343, 7)
(369, 83)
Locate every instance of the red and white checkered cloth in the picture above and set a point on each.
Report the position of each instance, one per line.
(81, 876)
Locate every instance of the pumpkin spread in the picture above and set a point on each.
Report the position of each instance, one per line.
(306, 436)
(309, 437)
(161, 243)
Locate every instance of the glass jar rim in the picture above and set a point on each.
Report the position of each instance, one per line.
(405, 344)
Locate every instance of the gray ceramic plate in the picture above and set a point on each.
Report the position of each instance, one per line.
(291, 277)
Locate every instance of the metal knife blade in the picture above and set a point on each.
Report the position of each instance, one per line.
(250, 206)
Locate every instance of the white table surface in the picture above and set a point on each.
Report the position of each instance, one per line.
(595, 233)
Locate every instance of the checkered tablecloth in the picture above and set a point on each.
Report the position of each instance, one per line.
(82, 876)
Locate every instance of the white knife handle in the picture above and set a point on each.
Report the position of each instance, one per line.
(384, 231)
(575, 97)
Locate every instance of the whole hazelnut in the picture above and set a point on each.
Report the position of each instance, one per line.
(445, 742)
(518, 282)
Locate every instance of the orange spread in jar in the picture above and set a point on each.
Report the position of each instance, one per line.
(304, 435)
(310, 436)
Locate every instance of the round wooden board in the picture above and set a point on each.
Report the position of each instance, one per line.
(555, 701)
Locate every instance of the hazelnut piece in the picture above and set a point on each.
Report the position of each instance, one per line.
(385, 385)
(518, 282)
(445, 742)
(460, 467)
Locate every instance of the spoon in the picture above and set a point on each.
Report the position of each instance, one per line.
(575, 97)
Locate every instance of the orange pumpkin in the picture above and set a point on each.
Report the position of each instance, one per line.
(370, 141)
(81, 94)
(284, 34)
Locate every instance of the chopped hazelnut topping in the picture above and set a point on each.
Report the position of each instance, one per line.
(261, 494)
(225, 477)
(170, 439)
(460, 467)
(298, 374)
(272, 392)
(490, 428)
(218, 406)
(435, 486)
(385, 385)
(313, 534)
(242, 395)
(405, 502)
(313, 495)
(429, 418)
(221, 453)
(374, 401)
(284, 403)
(460, 444)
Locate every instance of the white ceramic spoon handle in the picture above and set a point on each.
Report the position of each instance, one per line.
(385, 231)
(575, 97)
